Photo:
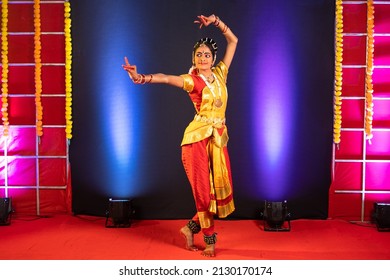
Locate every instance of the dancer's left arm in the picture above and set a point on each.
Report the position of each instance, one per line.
(231, 39)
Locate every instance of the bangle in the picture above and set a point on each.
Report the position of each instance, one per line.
(138, 80)
(143, 79)
(225, 29)
(216, 21)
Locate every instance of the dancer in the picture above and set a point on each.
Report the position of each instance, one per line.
(204, 146)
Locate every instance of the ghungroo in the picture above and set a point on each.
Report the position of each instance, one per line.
(212, 239)
(194, 227)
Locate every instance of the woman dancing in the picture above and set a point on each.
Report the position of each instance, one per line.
(204, 146)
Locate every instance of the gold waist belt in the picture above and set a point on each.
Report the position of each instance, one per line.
(216, 122)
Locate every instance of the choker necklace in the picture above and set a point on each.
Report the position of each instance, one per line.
(210, 78)
(217, 101)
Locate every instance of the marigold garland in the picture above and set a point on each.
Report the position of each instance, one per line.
(4, 63)
(369, 71)
(338, 73)
(68, 72)
(38, 67)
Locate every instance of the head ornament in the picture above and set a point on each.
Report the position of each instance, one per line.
(210, 43)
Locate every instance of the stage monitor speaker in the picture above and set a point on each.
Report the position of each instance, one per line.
(119, 213)
(382, 216)
(5, 211)
(276, 216)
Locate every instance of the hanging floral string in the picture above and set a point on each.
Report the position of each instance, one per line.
(4, 63)
(369, 71)
(38, 67)
(68, 72)
(338, 73)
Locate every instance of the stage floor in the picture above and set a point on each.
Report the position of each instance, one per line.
(68, 237)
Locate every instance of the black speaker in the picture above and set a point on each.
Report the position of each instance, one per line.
(118, 213)
(382, 216)
(276, 216)
(5, 211)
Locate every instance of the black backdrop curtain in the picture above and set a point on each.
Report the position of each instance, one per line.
(127, 137)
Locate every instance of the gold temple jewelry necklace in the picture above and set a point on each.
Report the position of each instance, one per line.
(217, 101)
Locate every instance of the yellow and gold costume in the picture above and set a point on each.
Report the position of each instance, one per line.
(204, 148)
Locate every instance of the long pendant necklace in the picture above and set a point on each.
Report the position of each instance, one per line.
(217, 101)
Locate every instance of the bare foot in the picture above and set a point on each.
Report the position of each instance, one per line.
(209, 251)
(189, 238)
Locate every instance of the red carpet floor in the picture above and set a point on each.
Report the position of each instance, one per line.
(66, 237)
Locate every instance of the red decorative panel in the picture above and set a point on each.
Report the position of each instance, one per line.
(381, 82)
(53, 142)
(354, 18)
(348, 175)
(54, 201)
(53, 80)
(381, 51)
(354, 50)
(53, 110)
(52, 17)
(353, 113)
(18, 166)
(382, 23)
(3, 164)
(379, 147)
(24, 201)
(352, 145)
(21, 80)
(362, 167)
(34, 170)
(21, 49)
(21, 18)
(354, 82)
(377, 176)
(53, 48)
(23, 141)
(52, 172)
(381, 113)
(21, 110)
(345, 206)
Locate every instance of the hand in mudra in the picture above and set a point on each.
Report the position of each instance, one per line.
(205, 21)
(131, 69)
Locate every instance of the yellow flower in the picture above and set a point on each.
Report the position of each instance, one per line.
(337, 121)
(38, 68)
(68, 75)
(369, 71)
(4, 63)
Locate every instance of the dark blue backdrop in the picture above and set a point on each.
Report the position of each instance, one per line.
(127, 137)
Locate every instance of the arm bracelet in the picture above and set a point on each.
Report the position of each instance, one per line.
(216, 21)
(225, 29)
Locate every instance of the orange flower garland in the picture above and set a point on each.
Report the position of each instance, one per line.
(68, 73)
(369, 71)
(338, 73)
(4, 63)
(38, 67)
